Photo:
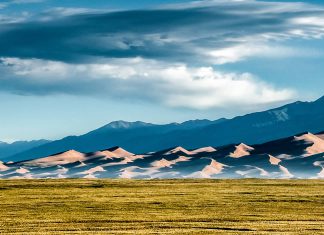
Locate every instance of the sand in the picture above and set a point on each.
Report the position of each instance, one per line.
(285, 171)
(70, 156)
(3, 167)
(22, 170)
(273, 160)
(179, 149)
(165, 163)
(213, 168)
(317, 143)
(241, 150)
(93, 170)
(204, 149)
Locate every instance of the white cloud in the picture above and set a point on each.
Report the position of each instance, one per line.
(311, 20)
(174, 85)
(242, 51)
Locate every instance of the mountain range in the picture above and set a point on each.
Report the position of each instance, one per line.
(140, 137)
(7, 150)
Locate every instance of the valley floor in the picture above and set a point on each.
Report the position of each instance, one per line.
(162, 206)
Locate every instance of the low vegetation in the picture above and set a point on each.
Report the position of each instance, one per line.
(162, 206)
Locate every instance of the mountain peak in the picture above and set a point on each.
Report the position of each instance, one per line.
(126, 125)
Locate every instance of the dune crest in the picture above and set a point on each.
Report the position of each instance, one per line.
(179, 149)
(204, 149)
(120, 152)
(106, 154)
(116, 152)
(321, 136)
(273, 160)
(70, 156)
(162, 163)
(213, 168)
(166, 163)
(241, 150)
(318, 143)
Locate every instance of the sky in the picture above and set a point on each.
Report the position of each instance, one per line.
(70, 66)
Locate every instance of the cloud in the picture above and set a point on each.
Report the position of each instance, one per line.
(14, 2)
(171, 55)
(175, 85)
(180, 33)
(10, 2)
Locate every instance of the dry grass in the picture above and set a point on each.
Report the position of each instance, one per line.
(162, 206)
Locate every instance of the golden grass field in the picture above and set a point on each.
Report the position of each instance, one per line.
(162, 206)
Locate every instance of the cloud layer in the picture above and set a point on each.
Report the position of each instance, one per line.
(166, 55)
(172, 85)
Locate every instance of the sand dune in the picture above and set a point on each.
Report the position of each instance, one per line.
(93, 170)
(120, 152)
(203, 150)
(166, 163)
(321, 136)
(112, 153)
(208, 171)
(285, 171)
(106, 154)
(273, 160)
(213, 169)
(124, 160)
(3, 167)
(318, 143)
(179, 149)
(22, 170)
(162, 163)
(70, 156)
(241, 150)
(285, 156)
(255, 171)
(136, 172)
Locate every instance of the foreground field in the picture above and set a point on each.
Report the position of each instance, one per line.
(162, 206)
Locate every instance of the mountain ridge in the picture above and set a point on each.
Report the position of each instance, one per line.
(138, 136)
(9, 149)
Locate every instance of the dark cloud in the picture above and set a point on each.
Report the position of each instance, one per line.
(161, 55)
(178, 34)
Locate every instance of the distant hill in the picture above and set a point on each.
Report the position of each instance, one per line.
(116, 133)
(7, 150)
(143, 137)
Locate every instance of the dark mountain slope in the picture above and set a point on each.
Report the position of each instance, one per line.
(140, 137)
(7, 150)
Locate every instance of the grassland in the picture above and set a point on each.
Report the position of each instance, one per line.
(162, 206)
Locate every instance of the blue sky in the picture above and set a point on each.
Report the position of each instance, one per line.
(68, 66)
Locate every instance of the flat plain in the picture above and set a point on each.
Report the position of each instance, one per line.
(248, 206)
